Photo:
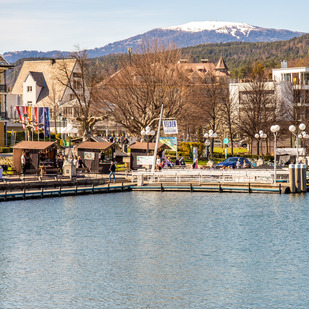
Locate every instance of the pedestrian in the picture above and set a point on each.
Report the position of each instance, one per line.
(238, 163)
(81, 164)
(75, 161)
(23, 162)
(60, 162)
(112, 170)
(195, 165)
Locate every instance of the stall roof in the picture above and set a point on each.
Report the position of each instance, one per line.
(143, 146)
(34, 145)
(94, 145)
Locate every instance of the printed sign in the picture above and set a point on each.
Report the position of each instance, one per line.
(170, 127)
(169, 141)
(89, 155)
(144, 160)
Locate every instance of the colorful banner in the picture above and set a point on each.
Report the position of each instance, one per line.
(169, 141)
(170, 127)
(35, 116)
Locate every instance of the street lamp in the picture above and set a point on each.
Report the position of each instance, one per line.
(212, 135)
(148, 132)
(302, 128)
(259, 136)
(275, 129)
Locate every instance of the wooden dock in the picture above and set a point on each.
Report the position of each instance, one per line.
(45, 192)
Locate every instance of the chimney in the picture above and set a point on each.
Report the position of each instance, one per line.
(183, 61)
(204, 60)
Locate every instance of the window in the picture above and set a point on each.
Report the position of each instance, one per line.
(29, 103)
(72, 96)
(29, 88)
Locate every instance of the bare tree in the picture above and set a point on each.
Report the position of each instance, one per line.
(82, 83)
(257, 105)
(54, 104)
(147, 79)
(208, 102)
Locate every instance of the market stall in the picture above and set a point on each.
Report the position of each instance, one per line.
(96, 155)
(40, 156)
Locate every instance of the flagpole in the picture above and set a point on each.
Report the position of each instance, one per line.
(157, 142)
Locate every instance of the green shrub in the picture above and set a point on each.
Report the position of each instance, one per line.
(6, 149)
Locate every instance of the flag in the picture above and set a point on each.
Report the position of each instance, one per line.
(46, 121)
(40, 115)
(21, 112)
(36, 117)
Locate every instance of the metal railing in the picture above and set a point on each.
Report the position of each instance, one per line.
(201, 176)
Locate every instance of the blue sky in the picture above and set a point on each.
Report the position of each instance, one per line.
(62, 24)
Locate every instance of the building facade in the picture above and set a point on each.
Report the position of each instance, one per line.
(4, 66)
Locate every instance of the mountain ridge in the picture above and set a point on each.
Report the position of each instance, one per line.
(217, 32)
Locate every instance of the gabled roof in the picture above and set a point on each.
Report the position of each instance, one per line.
(95, 145)
(39, 78)
(4, 63)
(34, 145)
(221, 65)
(50, 70)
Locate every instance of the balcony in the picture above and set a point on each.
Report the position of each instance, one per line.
(3, 88)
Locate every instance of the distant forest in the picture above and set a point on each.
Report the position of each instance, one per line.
(239, 56)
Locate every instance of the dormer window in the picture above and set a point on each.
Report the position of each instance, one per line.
(29, 88)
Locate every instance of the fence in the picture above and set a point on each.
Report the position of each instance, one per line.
(246, 175)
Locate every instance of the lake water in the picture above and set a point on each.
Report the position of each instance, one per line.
(156, 250)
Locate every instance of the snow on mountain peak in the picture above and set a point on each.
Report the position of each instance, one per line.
(218, 26)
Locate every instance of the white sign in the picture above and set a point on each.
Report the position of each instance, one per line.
(144, 160)
(170, 126)
(89, 155)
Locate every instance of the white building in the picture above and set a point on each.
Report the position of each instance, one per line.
(297, 79)
(43, 83)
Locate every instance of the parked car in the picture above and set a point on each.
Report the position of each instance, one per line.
(231, 162)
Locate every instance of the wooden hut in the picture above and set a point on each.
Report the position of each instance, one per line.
(96, 155)
(37, 154)
(140, 149)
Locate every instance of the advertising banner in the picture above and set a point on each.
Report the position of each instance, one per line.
(169, 141)
(170, 127)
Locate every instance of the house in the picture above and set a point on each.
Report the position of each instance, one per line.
(44, 83)
(4, 66)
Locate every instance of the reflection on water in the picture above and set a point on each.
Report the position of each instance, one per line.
(155, 250)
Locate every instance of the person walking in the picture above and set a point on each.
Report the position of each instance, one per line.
(23, 162)
(112, 170)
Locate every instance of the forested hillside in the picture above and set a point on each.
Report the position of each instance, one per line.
(239, 56)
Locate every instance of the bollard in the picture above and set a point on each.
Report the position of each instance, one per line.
(303, 168)
(297, 178)
(292, 177)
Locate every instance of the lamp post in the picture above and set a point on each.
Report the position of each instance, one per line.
(259, 136)
(275, 129)
(148, 132)
(292, 129)
(211, 135)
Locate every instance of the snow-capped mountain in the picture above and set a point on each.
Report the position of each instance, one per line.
(189, 34)
(218, 26)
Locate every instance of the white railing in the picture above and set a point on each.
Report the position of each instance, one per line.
(212, 175)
